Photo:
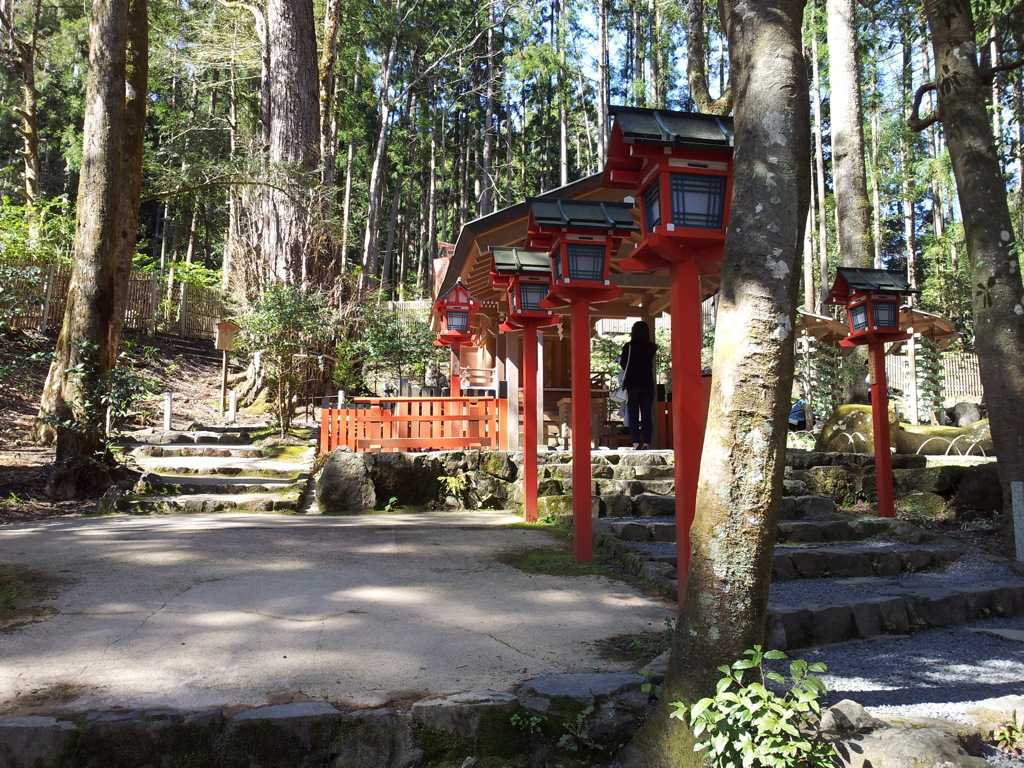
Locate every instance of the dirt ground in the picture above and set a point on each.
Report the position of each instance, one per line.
(24, 363)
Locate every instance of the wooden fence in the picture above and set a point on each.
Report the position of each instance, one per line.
(415, 424)
(961, 379)
(191, 312)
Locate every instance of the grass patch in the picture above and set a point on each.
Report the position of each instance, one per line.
(295, 453)
(555, 562)
(11, 592)
(638, 648)
(21, 590)
(561, 526)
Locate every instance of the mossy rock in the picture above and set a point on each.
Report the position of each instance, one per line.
(554, 506)
(499, 464)
(850, 429)
(841, 485)
(935, 440)
(925, 505)
(936, 480)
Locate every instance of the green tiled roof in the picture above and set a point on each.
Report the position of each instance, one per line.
(874, 279)
(674, 129)
(589, 214)
(522, 261)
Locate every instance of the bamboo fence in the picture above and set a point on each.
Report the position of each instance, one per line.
(190, 311)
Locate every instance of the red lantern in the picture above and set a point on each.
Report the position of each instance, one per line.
(456, 310)
(872, 298)
(580, 237)
(527, 276)
(680, 166)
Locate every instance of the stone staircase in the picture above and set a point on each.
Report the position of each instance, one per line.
(214, 469)
(836, 575)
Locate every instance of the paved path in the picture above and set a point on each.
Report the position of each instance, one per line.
(197, 611)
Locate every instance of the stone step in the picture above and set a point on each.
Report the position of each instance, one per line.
(634, 487)
(211, 465)
(815, 531)
(894, 610)
(176, 437)
(200, 503)
(151, 482)
(221, 450)
(848, 562)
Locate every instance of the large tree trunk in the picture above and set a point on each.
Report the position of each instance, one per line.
(71, 395)
(136, 94)
(988, 229)
(819, 165)
(20, 55)
(696, 64)
(287, 246)
(725, 606)
(853, 208)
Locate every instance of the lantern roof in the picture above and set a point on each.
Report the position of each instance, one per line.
(521, 261)
(581, 214)
(457, 294)
(850, 280)
(686, 130)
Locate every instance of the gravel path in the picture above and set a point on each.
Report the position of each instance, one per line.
(940, 673)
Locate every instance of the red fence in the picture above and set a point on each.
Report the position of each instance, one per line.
(415, 424)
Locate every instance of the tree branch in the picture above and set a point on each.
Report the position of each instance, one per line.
(988, 74)
(915, 122)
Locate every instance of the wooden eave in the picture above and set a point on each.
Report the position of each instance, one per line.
(643, 293)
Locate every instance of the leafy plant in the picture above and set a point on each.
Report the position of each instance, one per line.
(453, 485)
(392, 504)
(748, 724)
(283, 324)
(530, 724)
(577, 734)
(1009, 738)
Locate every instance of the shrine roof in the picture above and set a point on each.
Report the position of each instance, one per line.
(691, 130)
(586, 214)
(858, 279)
(522, 261)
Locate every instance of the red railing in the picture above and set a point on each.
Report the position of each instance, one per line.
(393, 424)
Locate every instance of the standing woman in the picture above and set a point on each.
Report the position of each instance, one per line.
(637, 359)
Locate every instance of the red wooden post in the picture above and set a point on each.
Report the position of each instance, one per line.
(455, 382)
(582, 495)
(530, 423)
(880, 423)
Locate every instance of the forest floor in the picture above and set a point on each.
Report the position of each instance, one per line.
(24, 362)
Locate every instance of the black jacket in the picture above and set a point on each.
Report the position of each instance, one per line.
(638, 362)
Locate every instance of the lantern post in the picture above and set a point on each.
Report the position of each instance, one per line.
(680, 166)
(580, 237)
(456, 310)
(872, 298)
(527, 275)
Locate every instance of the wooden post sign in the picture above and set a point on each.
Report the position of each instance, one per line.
(224, 340)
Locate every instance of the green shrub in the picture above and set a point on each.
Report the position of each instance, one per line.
(748, 724)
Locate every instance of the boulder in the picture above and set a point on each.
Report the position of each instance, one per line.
(463, 713)
(411, 479)
(932, 440)
(344, 485)
(379, 738)
(849, 429)
(899, 747)
(964, 414)
(979, 492)
(28, 741)
(602, 709)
